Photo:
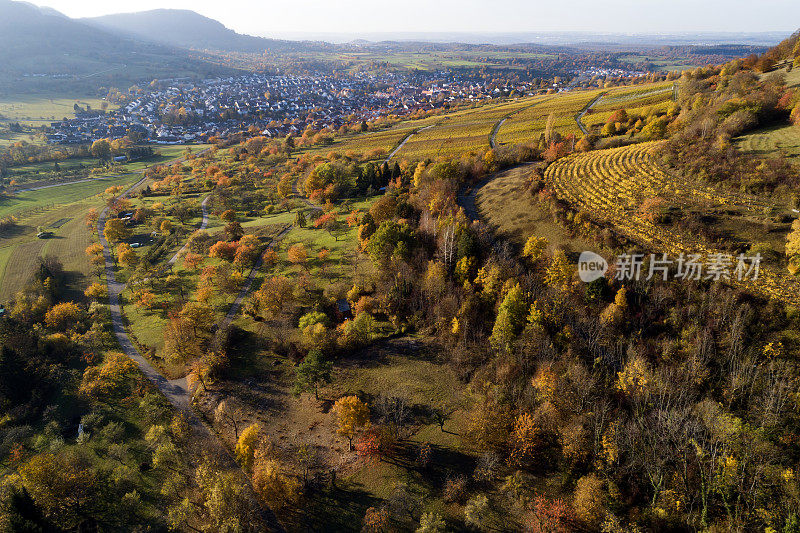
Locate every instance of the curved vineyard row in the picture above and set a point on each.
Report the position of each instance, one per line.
(610, 185)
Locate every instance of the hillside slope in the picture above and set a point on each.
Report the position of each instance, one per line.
(187, 29)
(41, 48)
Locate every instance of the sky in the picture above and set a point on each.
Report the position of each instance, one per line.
(277, 18)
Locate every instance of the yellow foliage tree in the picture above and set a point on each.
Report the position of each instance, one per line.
(352, 414)
(63, 316)
(115, 230)
(246, 446)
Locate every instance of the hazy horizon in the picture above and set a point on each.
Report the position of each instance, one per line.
(360, 17)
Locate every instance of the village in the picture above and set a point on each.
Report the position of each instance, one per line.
(183, 111)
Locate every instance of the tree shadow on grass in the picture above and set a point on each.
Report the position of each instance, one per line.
(334, 509)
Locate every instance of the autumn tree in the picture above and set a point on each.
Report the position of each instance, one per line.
(352, 415)
(64, 316)
(272, 486)
(510, 319)
(64, 485)
(228, 415)
(91, 218)
(246, 446)
(273, 296)
(198, 315)
(588, 501)
(126, 255)
(96, 291)
(115, 230)
(101, 149)
(559, 273)
(111, 379)
(534, 248)
(297, 254)
(223, 250)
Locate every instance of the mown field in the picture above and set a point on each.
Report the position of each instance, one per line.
(20, 249)
(506, 203)
(26, 202)
(41, 111)
(783, 139)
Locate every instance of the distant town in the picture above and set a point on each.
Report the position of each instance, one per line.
(184, 111)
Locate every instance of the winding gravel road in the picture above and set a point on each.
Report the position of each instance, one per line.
(176, 390)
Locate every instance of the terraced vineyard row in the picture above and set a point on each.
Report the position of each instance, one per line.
(463, 131)
(611, 185)
(527, 125)
(627, 97)
(595, 118)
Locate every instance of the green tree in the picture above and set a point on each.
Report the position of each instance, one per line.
(311, 372)
(510, 319)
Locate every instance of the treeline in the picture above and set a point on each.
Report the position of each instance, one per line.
(718, 104)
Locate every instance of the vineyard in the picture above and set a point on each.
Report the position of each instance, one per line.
(527, 125)
(611, 186)
(463, 131)
(627, 97)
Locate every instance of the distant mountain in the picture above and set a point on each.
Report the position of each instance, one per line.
(187, 29)
(41, 48)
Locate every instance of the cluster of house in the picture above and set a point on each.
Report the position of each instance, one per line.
(183, 111)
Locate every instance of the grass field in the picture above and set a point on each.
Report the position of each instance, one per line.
(61, 194)
(40, 111)
(792, 78)
(506, 204)
(20, 250)
(770, 141)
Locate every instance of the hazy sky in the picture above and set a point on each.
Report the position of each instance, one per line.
(273, 17)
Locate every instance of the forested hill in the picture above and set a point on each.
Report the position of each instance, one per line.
(41, 48)
(187, 29)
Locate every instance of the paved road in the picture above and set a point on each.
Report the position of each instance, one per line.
(404, 141)
(176, 391)
(499, 124)
(579, 116)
